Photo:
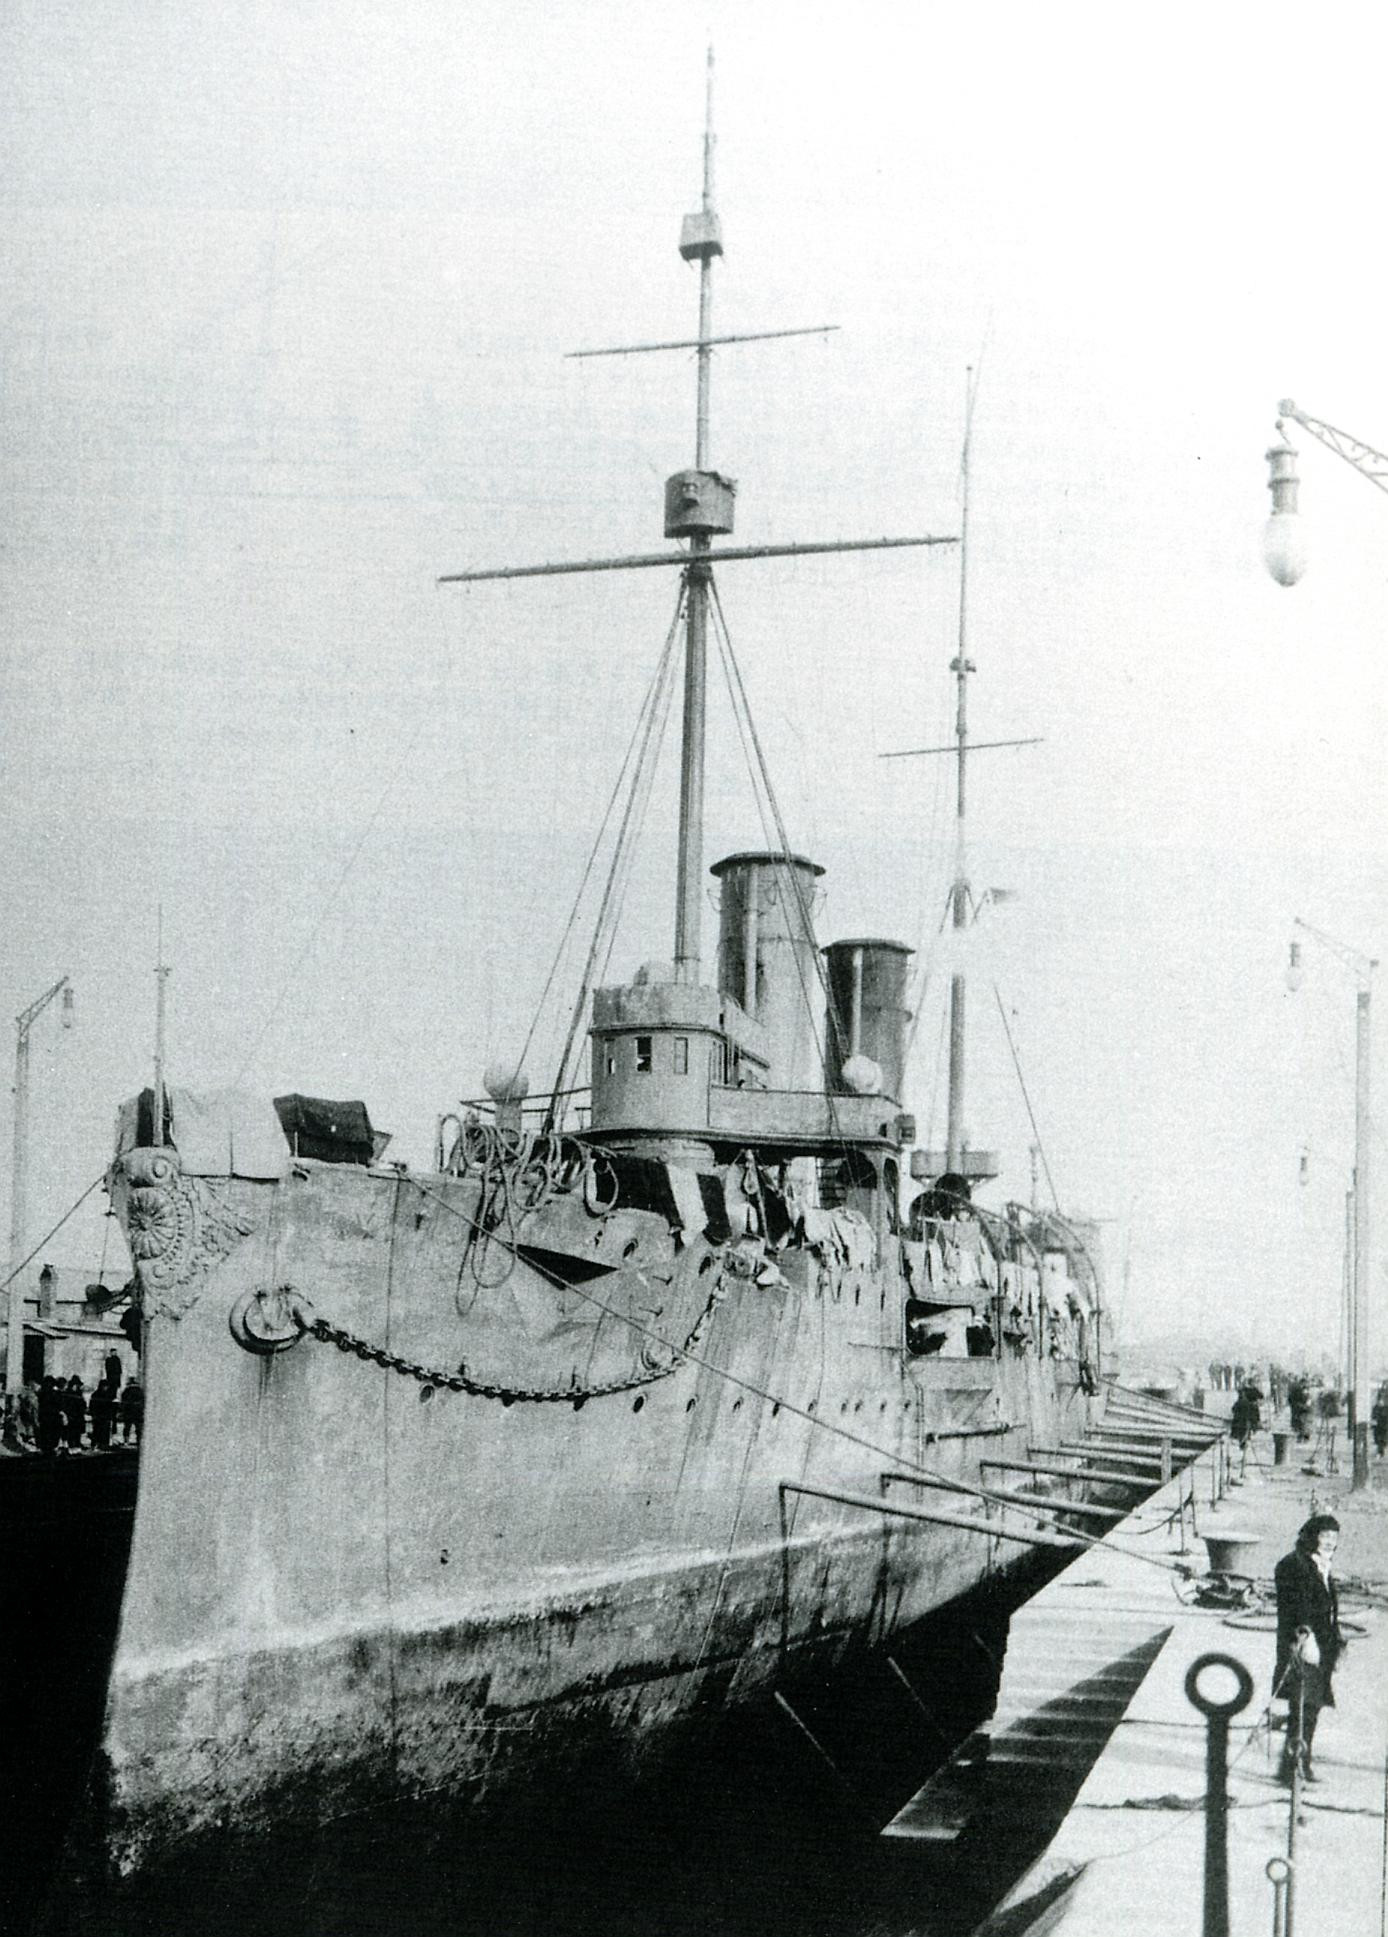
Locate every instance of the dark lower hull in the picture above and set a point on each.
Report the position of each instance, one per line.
(735, 1818)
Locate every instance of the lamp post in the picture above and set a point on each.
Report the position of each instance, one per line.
(1285, 557)
(24, 1022)
(1363, 967)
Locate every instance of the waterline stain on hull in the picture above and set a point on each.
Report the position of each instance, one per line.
(727, 1821)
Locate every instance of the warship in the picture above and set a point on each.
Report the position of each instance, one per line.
(653, 1395)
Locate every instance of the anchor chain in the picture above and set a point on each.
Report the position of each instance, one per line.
(300, 1312)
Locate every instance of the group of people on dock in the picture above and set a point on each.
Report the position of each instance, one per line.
(1308, 1406)
(55, 1415)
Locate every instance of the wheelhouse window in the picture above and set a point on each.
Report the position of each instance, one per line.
(644, 1056)
(681, 1055)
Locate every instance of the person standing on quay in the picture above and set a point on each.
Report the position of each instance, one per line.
(1309, 1642)
(1378, 1419)
(1246, 1419)
(74, 1404)
(50, 1416)
(132, 1411)
(103, 1411)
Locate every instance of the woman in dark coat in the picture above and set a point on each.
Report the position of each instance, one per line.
(1309, 1642)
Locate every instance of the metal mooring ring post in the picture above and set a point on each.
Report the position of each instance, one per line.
(1210, 1705)
(1278, 1871)
(1217, 1714)
(265, 1320)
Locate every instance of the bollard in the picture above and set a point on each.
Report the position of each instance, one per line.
(1279, 1875)
(1217, 1715)
(1279, 1448)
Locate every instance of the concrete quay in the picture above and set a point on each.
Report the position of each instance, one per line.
(1133, 1842)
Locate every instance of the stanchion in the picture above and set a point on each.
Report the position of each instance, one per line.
(1279, 1875)
(1217, 1715)
(1296, 1752)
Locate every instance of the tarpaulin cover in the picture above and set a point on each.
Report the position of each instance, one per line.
(226, 1133)
(334, 1133)
(217, 1133)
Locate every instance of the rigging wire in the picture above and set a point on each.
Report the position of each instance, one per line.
(48, 1235)
(938, 1076)
(833, 1024)
(832, 1020)
(612, 799)
(643, 786)
(768, 838)
(1026, 1098)
(105, 1244)
(653, 708)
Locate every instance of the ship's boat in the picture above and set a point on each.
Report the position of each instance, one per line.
(608, 1422)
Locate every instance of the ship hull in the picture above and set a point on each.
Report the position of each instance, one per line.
(354, 1586)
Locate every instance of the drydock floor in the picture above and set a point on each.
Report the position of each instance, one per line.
(1129, 1853)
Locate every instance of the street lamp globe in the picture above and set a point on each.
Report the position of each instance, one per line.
(1284, 547)
(1284, 542)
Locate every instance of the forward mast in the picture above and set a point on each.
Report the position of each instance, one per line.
(715, 1038)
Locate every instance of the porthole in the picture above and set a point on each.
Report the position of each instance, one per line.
(638, 1402)
(775, 1409)
(631, 1247)
(690, 1404)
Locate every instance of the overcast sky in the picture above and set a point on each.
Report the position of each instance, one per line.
(286, 297)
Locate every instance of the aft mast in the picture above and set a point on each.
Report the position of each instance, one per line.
(961, 666)
(956, 1159)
